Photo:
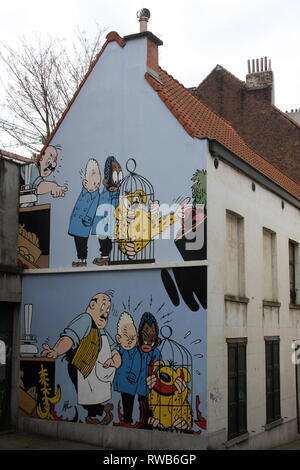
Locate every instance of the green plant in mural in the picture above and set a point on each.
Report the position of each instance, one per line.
(199, 187)
(46, 410)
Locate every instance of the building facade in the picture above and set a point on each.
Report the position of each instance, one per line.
(157, 276)
(10, 289)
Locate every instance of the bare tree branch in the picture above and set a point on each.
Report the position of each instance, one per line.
(42, 77)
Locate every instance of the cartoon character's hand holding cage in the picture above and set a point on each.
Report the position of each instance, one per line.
(133, 236)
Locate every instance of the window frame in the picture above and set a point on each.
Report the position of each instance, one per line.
(272, 367)
(237, 381)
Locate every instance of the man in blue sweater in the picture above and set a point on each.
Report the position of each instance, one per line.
(105, 221)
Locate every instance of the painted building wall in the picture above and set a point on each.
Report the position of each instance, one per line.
(230, 190)
(178, 358)
(116, 113)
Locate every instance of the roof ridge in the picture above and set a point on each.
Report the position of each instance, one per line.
(203, 104)
(216, 68)
(286, 116)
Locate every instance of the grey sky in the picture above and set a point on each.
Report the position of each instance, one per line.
(197, 34)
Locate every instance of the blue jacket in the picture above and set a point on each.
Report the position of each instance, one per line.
(83, 214)
(105, 221)
(146, 359)
(127, 375)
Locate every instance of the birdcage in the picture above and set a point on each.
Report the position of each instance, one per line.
(133, 242)
(171, 398)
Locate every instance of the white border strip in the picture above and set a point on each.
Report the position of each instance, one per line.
(119, 267)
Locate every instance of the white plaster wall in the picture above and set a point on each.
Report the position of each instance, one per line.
(229, 189)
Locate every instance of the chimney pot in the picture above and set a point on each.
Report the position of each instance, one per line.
(143, 15)
(260, 77)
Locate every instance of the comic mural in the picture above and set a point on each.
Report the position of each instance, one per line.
(108, 214)
(108, 346)
(118, 349)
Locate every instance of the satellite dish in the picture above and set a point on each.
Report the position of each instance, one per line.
(143, 14)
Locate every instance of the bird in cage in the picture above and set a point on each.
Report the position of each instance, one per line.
(138, 221)
(168, 398)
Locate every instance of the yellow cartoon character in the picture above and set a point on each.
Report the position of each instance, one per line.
(168, 398)
(138, 221)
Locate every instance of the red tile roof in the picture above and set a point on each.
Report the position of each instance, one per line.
(199, 120)
(267, 130)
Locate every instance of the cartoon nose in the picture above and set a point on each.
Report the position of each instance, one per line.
(165, 377)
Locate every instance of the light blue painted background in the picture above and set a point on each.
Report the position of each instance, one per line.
(57, 299)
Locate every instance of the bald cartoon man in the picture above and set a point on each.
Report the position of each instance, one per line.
(86, 347)
(44, 167)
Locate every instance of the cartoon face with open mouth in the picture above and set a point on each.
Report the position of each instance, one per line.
(148, 339)
(168, 398)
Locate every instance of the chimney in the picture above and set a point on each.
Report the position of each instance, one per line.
(152, 41)
(260, 76)
(143, 15)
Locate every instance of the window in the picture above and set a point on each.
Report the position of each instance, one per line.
(235, 264)
(237, 388)
(269, 265)
(293, 252)
(2, 353)
(272, 379)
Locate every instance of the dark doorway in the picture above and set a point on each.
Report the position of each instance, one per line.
(6, 334)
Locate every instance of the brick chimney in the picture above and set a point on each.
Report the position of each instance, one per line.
(152, 41)
(260, 77)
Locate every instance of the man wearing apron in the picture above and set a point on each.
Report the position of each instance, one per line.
(86, 347)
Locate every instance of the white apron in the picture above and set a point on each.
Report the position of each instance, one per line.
(96, 388)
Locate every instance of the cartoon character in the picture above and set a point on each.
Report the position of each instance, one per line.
(86, 347)
(104, 222)
(137, 224)
(84, 211)
(34, 177)
(129, 356)
(148, 341)
(168, 398)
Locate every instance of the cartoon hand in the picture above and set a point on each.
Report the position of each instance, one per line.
(108, 363)
(59, 191)
(130, 251)
(154, 209)
(130, 216)
(180, 423)
(154, 422)
(48, 352)
(179, 213)
(131, 378)
(151, 381)
(180, 384)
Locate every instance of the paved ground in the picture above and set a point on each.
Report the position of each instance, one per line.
(294, 445)
(22, 441)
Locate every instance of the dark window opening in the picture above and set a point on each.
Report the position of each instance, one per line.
(272, 380)
(237, 389)
(292, 268)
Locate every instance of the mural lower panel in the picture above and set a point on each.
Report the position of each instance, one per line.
(116, 348)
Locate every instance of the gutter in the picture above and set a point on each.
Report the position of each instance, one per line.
(217, 150)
